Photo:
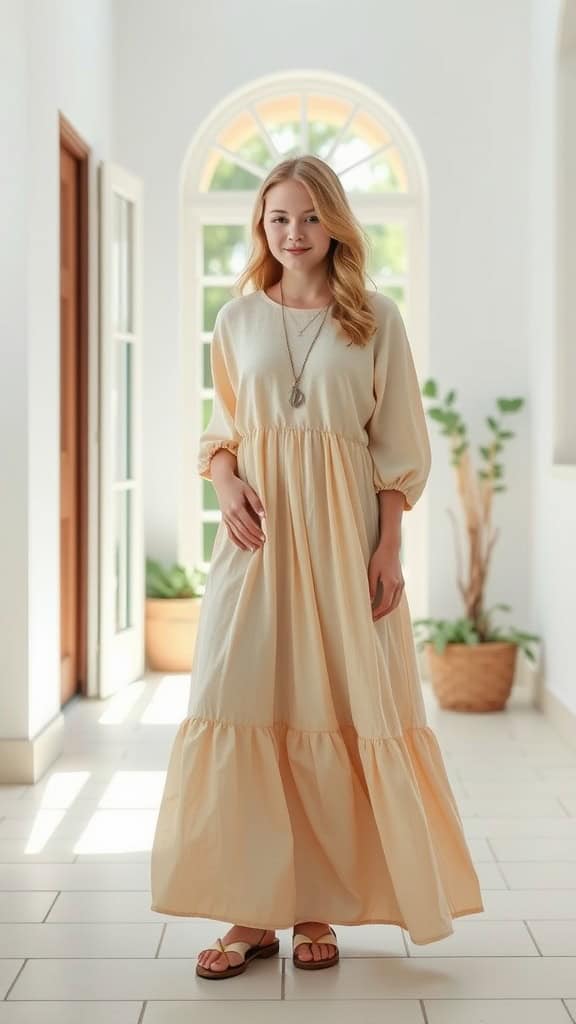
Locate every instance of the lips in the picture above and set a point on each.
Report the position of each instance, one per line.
(298, 250)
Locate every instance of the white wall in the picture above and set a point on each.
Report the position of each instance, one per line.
(55, 57)
(13, 373)
(553, 498)
(459, 75)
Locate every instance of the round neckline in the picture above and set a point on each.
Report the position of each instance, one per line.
(293, 309)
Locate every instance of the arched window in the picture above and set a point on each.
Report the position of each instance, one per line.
(378, 163)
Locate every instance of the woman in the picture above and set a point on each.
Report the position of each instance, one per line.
(305, 785)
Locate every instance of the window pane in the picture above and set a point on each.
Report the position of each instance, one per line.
(224, 247)
(209, 496)
(349, 150)
(223, 174)
(326, 115)
(122, 568)
(387, 253)
(379, 170)
(243, 137)
(122, 270)
(281, 117)
(214, 297)
(382, 173)
(122, 411)
(396, 292)
(206, 412)
(208, 536)
(206, 368)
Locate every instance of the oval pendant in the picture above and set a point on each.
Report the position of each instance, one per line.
(296, 396)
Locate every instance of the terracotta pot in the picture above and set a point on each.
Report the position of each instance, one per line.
(171, 624)
(472, 677)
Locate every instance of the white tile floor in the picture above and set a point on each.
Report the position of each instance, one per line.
(79, 944)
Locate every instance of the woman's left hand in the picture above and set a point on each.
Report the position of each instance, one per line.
(385, 566)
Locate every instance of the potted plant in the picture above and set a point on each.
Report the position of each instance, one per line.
(173, 598)
(471, 661)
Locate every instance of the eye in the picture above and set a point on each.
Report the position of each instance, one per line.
(274, 219)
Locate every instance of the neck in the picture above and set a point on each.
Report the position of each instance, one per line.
(307, 289)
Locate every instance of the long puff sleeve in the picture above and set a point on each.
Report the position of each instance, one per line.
(220, 431)
(397, 431)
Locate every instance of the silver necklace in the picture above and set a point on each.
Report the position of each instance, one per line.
(296, 394)
(306, 326)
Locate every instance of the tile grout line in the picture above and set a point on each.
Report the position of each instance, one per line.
(529, 930)
(507, 886)
(491, 848)
(162, 934)
(50, 908)
(423, 1009)
(18, 973)
(564, 1004)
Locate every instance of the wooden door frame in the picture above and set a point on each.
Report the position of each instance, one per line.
(75, 145)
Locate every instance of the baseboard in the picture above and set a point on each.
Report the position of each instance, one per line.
(559, 716)
(26, 761)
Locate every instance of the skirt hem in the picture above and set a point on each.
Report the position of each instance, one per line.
(372, 920)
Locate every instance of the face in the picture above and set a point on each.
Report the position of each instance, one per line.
(290, 222)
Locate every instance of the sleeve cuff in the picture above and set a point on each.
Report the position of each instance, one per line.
(205, 457)
(395, 487)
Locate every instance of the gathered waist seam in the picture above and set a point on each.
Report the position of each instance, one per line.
(331, 434)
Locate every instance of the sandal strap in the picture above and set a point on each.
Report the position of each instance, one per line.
(238, 947)
(328, 939)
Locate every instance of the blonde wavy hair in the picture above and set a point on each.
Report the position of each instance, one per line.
(346, 255)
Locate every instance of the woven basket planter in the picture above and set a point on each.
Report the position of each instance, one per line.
(472, 677)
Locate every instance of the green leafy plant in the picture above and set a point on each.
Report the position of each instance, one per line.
(476, 490)
(173, 581)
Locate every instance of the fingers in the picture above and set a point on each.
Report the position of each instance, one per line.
(384, 608)
(242, 534)
(254, 502)
(243, 528)
(237, 539)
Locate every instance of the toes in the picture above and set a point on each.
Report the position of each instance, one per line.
(315, 951)
(322, 951)
(213, 963)
(219, 964)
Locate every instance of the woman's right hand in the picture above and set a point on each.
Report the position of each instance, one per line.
(241, 511)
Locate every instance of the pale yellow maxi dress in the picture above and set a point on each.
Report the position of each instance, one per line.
(305, 783)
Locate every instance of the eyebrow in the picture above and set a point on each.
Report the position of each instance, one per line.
(286, 211)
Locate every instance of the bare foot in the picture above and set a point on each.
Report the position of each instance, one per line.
(315, 951)
(237, 933)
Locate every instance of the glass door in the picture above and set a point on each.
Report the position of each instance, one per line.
(122, 577)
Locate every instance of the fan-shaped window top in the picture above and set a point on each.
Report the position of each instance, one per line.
(347, 137)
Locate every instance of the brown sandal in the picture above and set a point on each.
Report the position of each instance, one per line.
(248, 951)
(329, 938)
